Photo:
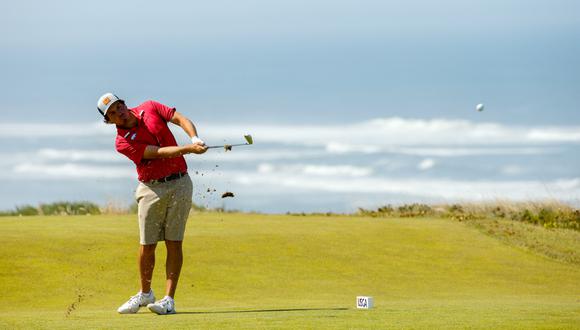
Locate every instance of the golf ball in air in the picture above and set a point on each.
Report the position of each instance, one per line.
(479, 107)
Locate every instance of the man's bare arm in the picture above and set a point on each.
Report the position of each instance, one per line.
(153, 152)
(186, 124)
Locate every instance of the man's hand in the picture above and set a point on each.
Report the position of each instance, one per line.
(197, 140)
(197, 148)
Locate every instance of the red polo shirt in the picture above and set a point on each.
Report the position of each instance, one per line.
(151, 130)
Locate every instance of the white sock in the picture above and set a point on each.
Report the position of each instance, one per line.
(168, 297)
(147, 294)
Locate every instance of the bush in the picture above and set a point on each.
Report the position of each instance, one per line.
(70, 208)
(406, 211)
(525, 216)
(550, 218)
(383, 211)
(26, 210)
(386, 210)
(366, 213)
(58, 208)
(458, 212)
(455, 208)
(88, 208)
(414, 210)
(499, 212)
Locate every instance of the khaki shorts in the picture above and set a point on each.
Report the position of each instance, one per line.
(163, 209)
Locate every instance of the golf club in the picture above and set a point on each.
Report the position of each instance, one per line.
(248, 138)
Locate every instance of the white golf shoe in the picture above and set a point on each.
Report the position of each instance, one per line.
(137, 301)
(163, 306)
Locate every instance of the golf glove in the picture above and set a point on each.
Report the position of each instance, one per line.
(195, 140)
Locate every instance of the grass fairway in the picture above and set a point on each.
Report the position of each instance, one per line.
(270, 271)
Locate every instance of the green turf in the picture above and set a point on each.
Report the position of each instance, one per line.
(265, 271)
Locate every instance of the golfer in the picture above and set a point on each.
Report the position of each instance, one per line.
(164, 192)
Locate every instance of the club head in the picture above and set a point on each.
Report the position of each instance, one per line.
(249, 139)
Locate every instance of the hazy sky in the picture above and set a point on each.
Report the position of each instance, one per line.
(294, 61)
(351, 103)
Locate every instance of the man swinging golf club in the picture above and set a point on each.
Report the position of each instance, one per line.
(164, 192)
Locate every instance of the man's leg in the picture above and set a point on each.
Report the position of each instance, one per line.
(146, 265)
(173, 266)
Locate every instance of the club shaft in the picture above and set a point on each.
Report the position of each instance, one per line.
(231, 145)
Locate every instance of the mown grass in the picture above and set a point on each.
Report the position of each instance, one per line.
(265, 271)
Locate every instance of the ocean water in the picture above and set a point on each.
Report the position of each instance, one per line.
(306, 168)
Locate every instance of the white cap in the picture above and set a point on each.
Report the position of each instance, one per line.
(105, 102)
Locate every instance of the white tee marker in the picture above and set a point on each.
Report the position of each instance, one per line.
(364, 302)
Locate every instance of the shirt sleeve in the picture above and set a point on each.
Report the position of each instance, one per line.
(133, 151)
(164, 111)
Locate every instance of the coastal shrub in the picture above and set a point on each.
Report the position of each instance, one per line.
(70, 208)
(545, 217)
(460, 213)
(26, 210)
(414, 210)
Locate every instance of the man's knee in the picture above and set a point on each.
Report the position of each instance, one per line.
(148, 249)
(173, 246)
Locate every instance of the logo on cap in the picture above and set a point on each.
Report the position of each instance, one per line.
(106, 100)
